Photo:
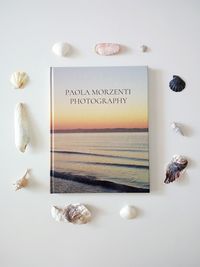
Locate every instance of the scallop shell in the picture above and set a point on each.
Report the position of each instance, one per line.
(19, 79)
(107, 49)
(73, 213)
(22, 137)
(23, 182)
(175, 168)
(177, 84)
(128, 212)
(61, 49)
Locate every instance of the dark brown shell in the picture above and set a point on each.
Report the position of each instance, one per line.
(177, 84)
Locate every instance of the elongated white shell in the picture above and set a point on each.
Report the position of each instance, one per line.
(21, 128)
(19, 79)
(61, 49)
(73, 213)
(128, 212)
(107, 49)
(177, 128)
(22, 182)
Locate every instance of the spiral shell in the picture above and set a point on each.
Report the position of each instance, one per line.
(177, 84)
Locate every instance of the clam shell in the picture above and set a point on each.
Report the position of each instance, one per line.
(107, 49)
(61, 49)
(175, 168)
(19, 79)
(177, 84)
(77, 214)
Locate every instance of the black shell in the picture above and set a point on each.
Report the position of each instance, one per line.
(177, 84)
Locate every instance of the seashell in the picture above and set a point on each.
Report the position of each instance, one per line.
(23, 182)
(61, 49)
(73, 213)
(177, 128)
(175, 168)
(58, 214)
(177, 84)
(107, 49)
(19, 79)
(21, 128)
(143, 48)
(128, 212)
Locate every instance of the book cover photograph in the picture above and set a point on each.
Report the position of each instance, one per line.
(99, 130)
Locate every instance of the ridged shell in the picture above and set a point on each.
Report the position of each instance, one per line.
(107, 49)
(175, 168)
(177, 84)
(19, 79)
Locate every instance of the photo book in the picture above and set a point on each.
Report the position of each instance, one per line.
(99, 130)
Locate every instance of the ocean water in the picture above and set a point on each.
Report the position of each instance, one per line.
(120, 157)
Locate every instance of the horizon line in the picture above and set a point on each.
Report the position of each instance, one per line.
(79, 130)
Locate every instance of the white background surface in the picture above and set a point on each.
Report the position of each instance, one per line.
(166, 232)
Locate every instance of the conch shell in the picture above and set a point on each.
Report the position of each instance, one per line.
(73, 213)
(175, 168)
(21, 128)
(19, 79)
(23, 182)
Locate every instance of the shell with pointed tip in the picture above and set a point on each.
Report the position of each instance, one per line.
(107, 49)
(19, 79)
(61, 49)
(23, 182)
(177, 84)
(22, 138)
(177, 128)
(175, 168)
(128, 212)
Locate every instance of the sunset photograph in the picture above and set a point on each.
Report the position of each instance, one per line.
(99, 129)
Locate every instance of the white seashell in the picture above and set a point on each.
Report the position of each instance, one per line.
(128, 212)
(74, 213)
(61, 49)
(19, 79)
(177, 128)
(23, 182)
(21, 128)
(107, 49)
(143, 48)
(58, 214)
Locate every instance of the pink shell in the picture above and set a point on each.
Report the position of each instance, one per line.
(107, 49)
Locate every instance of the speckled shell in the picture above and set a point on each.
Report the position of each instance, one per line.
(77, 214)
(175, 168)
(177, 84)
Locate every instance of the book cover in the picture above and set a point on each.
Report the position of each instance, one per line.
(99, 130)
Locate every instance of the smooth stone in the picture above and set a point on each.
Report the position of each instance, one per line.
(107, 49)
